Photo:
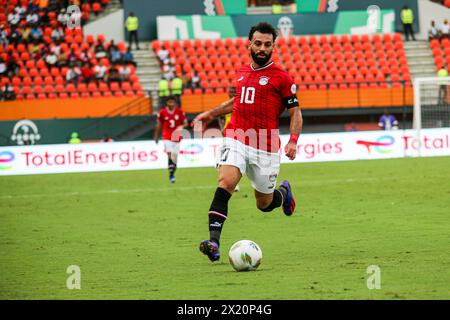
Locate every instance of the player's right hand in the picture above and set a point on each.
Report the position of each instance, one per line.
(202, 120)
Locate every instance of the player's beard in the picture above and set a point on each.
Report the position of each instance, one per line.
(261, 61)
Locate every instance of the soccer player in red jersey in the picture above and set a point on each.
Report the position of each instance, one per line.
(251, 143)
(171, 119)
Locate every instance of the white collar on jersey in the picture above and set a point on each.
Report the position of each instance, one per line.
(261, 68)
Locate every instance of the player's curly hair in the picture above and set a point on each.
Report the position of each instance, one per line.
(263, 27)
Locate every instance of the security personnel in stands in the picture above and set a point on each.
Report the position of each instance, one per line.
(132, 25)
(407, 17)
(177, 89)
(443, 87)
(163, 91)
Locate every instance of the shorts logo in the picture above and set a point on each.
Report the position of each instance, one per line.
(263, 81)
(273, 177)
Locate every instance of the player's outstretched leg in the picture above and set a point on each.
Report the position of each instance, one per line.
(289, 201)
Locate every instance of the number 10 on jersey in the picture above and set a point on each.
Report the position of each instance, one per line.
(247, 95)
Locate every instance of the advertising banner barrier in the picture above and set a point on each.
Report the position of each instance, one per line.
(144, 155)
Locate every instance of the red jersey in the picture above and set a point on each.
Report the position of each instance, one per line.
(262, 94)
(170, 120)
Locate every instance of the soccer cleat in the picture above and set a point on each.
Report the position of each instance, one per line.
(211, 249)
(172, 179)
(289, 202)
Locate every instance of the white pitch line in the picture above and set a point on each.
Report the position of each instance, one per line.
(178, 188)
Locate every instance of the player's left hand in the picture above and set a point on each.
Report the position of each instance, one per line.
(290, 150)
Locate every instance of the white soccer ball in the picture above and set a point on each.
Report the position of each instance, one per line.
(245, 255)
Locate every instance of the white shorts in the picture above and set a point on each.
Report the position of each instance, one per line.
(262, 168)
(171, 146)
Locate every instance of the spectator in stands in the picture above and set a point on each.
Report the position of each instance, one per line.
(163, 55)
(87, 73)
(168, 70)
(34, 49)
(12, 66)
(51, 59)
(36, 33)
(73, 74)
(3, 36)
(14, 36)
(132, 25)
(7, 93)
(125, 72)
(26, 33)
(57, 34)
(113, 52)
(72, 57)
(128, 58)
(100, 72)
(114, 76)
(13, 19)
(100, 50)
(388, 121)
(63, 17)
(407, 17)
(445, 30)
(3, 68)
(32, 18)
(86, 56)
(433, 32)
(62, 59)
(195, 80)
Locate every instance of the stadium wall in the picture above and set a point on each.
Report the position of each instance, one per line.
(144, 155)
(59, 131)
(65, 108)
(111, 26)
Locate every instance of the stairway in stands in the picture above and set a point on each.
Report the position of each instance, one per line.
(147, 69)
(420, 59)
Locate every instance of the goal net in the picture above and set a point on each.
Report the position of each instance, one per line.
(431, 104)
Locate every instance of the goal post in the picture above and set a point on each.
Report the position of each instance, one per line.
(431, 104)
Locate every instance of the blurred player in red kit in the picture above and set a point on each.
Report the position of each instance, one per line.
(251, 143)
(171, 120)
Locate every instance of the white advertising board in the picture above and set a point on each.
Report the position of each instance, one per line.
(143, 155)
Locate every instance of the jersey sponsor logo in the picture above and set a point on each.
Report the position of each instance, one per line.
(263, 81)
(241, 78)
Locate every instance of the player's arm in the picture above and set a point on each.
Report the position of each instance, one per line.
(208, 116)
(295, 128)
(157, 130)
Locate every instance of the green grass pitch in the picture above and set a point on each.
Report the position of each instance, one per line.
(135, 236)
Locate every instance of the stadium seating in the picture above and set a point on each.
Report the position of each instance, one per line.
(441, 52)
(34, 73)
(314, 62)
